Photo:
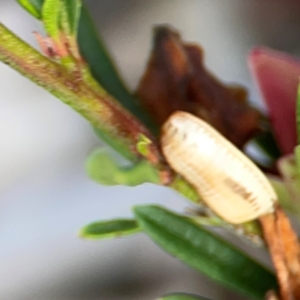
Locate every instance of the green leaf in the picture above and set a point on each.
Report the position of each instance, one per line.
(143, 145)
(115, 144)
(103, 69)
(34, 7)
(71, 14)
(51, 13)
(204, 251)
(184, 188)
(105, 169)
(182, 296)
(109, 229)
(282, 193)
(289, 170)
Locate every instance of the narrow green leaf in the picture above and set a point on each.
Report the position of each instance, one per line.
(289, 171)
(115, 144)
(282, 193)
(109, 229)
(34, 7)
(204, 251)
(143, 145)
(51, 11)
(105, 169)
(182, 296)
(95, 53)
(71, 14)
(184, 188)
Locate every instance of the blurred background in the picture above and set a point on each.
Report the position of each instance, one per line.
(45, 195)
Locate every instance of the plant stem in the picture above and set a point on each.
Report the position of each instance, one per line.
(101, 109)
(116, 125)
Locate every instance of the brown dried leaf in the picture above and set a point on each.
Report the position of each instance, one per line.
(224, 107)
(176, 79)
(163, 87)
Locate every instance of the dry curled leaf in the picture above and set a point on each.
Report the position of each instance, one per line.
(176, 79)
(163, 87)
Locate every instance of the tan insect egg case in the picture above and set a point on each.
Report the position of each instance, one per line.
(228, 181)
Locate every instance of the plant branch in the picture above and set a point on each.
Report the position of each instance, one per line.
(77, 89)
(101, 109)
